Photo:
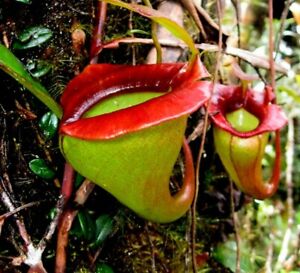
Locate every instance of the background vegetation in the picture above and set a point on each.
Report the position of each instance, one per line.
(234, 233)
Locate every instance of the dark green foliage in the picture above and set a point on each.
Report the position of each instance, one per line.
(24, 1)
(94, 231)
(48, 124)
(32, 37)
(38, 68)
(39, 167)
(104, 227)
(103, 268)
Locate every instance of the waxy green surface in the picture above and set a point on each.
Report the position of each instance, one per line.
(135, 167)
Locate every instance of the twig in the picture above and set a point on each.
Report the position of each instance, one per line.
(194, 205)
(271, 45)
(248, 56)
(236, 230)
(51, 228)
(133, 48)
(67, 184)
(66, 223)
(96, 42)
(268, 264)
(281, 29)
(236, 5)
(11, 207)
(289, 201)
(4, 216)
(10, 213)
(190, 6)
(65, 215)
(83, 192)
(63, 226)
(32, 255)
(62, 240)
(154, 27)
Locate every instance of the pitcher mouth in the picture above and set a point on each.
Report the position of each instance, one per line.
(231, 98)
(185, 94)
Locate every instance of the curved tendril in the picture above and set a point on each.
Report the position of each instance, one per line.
(265, 190)
(187, 192)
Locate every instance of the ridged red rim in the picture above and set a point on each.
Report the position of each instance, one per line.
(184, 93)
(229, 98)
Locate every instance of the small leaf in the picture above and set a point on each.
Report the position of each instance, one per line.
(137, 31)
(78, 180)
(24, 1)
(39, 68)
(49, 124)
(290, 92)
(32, 37)
(103, 268)
(104, 227)
(87, 225)
(226, 255)
(297, 77)
(39, 167)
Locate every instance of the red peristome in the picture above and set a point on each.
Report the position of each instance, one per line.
(230, 98)
(184, 93)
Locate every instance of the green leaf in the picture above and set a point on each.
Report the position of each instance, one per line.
(12, 66)
(103, 268)
(290, 92)
(104, 227)
(39, 68)
(87, 225)
(39, 167)
(297, 216)
(78, 180)
(297, 77)
(161, 19)
(32, 37)
(24, 1)
(49, 124)
(137, 31)
(226, 255)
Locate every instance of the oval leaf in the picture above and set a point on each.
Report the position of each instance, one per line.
(49, 124)
(87, 225)
(103, 268)
(104, 227)
(39, 167)
(32, 37)
(38, 68)
(24, 1)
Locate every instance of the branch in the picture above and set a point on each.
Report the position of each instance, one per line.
(284, 251)
(236, 230)
(271, 45)
(11, 208)
(194, 205)
(248, 56)
(66, 223)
